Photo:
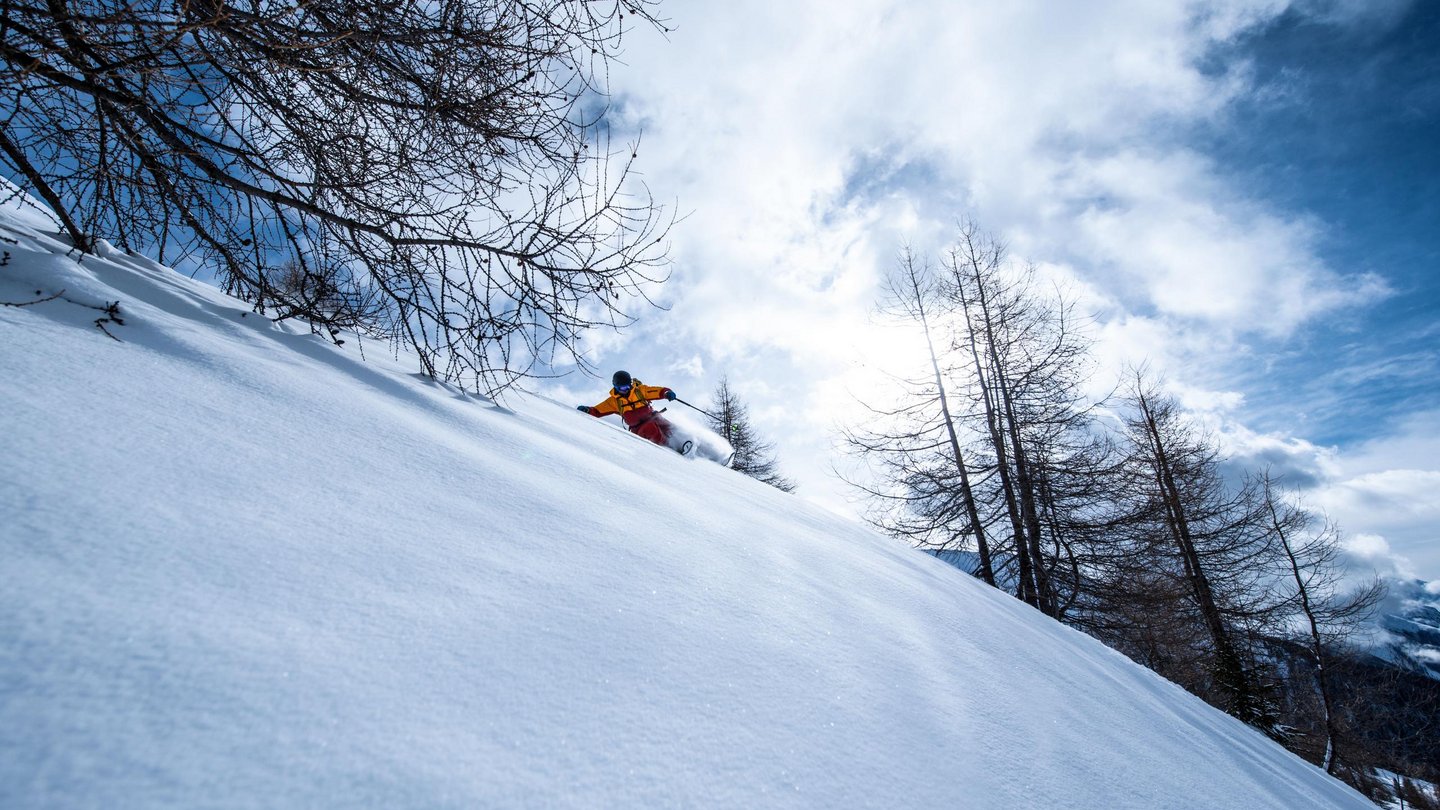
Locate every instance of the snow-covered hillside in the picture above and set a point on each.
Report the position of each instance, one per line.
(241, 567)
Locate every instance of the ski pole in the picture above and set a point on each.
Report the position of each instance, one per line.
(688, 405)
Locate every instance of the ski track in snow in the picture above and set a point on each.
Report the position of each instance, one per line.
(243, 568)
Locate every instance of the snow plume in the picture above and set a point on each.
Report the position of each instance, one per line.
(707, 443)
(245, 568)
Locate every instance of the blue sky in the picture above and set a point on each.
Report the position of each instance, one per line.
(1343, 126)
(1242, 192)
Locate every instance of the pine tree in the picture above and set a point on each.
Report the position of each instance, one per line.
(753, 457)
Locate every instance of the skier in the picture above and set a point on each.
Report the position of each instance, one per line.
(631, 399)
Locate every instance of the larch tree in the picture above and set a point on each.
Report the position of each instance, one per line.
(1212, 539)
(1310, 563)
(1117, 515)
(986, 445)
(1025, 363)
(754, 457)
(927, 493)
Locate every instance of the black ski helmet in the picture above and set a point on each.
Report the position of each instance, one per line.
(621, 379)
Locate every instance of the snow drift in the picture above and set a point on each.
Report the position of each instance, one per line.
(241, 567)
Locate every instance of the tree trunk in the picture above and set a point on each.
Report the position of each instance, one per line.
(1025, 520)
(972, 512)
(1317, 648)
(1229, 668)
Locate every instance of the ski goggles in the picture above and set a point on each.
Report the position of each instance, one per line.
(623, 389)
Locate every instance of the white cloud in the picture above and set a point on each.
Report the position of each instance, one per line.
(808, 140)
(1367, 546)
(1373, 551)
(775, 116)
(693, 366)
(1390, 486)
(1192, 247)
(1397, 496)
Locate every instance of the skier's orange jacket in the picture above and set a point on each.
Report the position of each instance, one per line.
(634, 406)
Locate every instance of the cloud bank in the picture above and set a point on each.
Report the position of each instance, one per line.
(808, 141)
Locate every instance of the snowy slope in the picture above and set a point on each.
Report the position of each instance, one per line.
(243, 568)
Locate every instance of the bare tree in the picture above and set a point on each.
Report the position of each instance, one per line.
(1135, 535)
(925, 493)
(754, 457)
(992, 449)
(1025, 363)
(914, 292)
(1210, 536)
(1311, 558)
(448, 161)
(325, 295)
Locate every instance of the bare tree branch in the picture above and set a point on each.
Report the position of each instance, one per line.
(450, 170)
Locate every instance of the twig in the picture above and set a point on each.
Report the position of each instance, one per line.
(33, 303)
(111, 310)
(112, 315)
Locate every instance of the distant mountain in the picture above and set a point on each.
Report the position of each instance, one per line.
(1408, 626)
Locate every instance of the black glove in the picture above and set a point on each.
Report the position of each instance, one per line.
(670, 395)
(583, 408)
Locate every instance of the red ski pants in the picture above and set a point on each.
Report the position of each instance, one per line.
(646, 423)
